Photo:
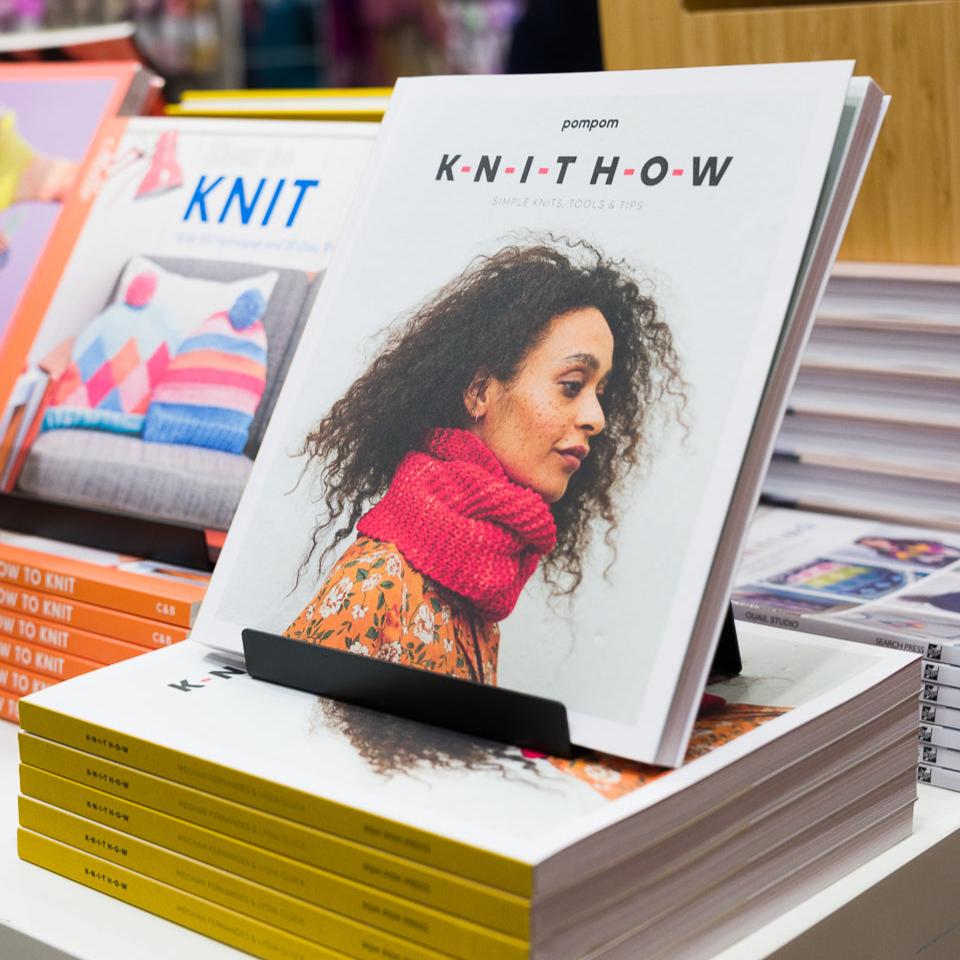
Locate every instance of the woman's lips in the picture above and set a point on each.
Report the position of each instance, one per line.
(573, 457)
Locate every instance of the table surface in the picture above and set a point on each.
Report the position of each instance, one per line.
(45, 917)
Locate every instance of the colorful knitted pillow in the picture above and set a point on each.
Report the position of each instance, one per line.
(211, 390)
(115, 363)
(187, 299)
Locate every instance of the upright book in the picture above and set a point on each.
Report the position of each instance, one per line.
(150, 375)
(558, 333)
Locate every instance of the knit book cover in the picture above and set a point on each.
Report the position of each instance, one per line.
(530, 412)
(150, 376)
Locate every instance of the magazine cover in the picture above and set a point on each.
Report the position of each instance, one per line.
(157, 364)
(51, 118)
(858, 579)
(513, 429)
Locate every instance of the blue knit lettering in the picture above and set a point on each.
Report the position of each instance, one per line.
(199, 198)
(238, 192)
(304, 186)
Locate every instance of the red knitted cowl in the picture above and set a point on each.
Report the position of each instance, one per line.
(458, 519)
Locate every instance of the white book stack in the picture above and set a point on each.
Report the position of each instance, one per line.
(873, 425)
(888, 585)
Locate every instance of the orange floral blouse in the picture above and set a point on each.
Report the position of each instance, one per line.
(613, 777)
(375, 604)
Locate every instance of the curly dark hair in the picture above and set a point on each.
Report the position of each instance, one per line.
(487, 320)
(393, 745)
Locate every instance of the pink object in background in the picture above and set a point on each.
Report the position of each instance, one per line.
(164, 173)
(141, 290)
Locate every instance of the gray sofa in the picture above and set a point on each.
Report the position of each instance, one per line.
(176, 482)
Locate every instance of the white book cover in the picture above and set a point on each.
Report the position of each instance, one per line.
(496, 799)
(177, 311)
(662, 216)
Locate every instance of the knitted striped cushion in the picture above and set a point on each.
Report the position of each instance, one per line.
(210, 392)
(115, 364)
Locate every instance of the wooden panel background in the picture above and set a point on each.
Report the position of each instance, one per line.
(909, 206)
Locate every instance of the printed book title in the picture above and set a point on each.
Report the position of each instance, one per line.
(254, 200)
(602, 170)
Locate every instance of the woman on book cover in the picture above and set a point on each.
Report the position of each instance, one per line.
(490, 432)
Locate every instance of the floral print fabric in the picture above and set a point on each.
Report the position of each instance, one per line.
(375, 604)
(614, 777)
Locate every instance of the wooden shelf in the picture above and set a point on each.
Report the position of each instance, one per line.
(909, 207)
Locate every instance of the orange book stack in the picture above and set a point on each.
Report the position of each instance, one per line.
(66, 610)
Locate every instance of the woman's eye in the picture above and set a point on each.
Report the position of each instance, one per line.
(571, 387)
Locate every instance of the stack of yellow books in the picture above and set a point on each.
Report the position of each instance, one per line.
(295, 827)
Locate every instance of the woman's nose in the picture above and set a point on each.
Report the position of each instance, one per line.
(591, 418)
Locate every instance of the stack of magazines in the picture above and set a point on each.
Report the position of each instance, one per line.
(66, 610)
(289, 825)
(893, 586)
(872, 427)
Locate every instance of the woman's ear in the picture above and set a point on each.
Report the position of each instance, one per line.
(475, 396)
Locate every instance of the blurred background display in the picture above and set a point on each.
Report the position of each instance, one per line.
(320, 43)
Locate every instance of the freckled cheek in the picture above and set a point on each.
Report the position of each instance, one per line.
(552, 422)
(545, 427)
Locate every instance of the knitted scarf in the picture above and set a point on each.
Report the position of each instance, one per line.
(457, 518)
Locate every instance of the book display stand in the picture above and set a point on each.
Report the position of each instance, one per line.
(508, 716)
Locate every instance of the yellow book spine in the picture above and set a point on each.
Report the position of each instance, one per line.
(311, 884)
(442, 891)
(481, 866)
(265, 113)
(299, 92)
(162, 900)
(313, 923)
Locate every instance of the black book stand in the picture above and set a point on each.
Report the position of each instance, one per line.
(492, 713)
